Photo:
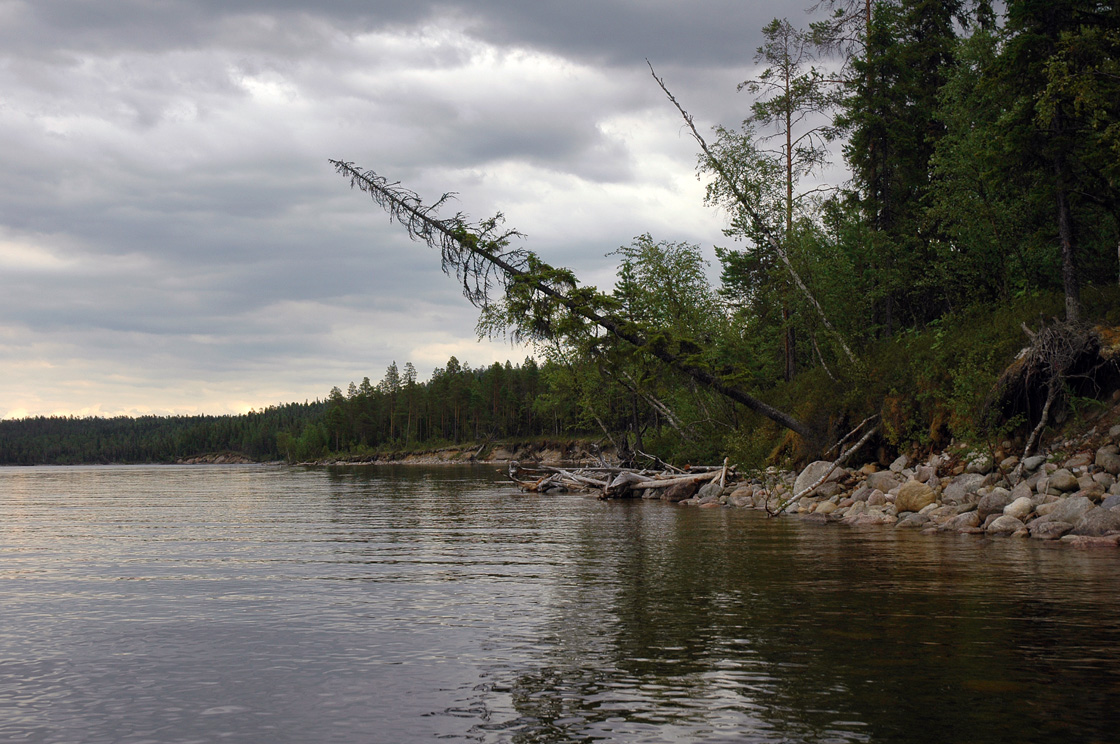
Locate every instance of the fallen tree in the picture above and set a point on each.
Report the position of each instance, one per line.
(611, 483)
(540, 301)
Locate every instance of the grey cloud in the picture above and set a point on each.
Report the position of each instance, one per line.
(613, 32)
(169, 161)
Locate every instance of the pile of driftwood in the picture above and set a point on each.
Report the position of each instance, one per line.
(614, 482)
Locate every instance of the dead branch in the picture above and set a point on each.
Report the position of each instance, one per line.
(820, 481)
(756, 218)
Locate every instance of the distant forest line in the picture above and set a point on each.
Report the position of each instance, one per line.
(459, 403)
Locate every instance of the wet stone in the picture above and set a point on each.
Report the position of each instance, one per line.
(1005, 525)
(1096, 522)
(1044, 530)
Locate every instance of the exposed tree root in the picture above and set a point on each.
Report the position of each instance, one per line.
(1063, 359)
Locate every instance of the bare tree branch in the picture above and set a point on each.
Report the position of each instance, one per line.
(756, 219)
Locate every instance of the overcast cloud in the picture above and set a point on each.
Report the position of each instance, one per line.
(173, 240)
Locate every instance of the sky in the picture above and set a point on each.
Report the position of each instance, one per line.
(174, 241)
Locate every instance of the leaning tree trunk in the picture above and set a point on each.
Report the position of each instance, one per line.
(478, 258)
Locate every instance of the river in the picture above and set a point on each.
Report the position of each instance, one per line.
(416, 604)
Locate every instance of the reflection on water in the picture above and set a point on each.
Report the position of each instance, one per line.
(182, 604)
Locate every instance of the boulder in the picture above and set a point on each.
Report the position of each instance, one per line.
(1048, 530)
(1097, 522)
(825, 507)
(913, 520)
(709, 491)
(828, 490)
(813, 473)
(1005, 525)
(680, 492)
(743, 491)
(1108, 459)
(1080, 460)
(961, 487)
(967, 521)
(1023, 489)
(1031, 464)
(1020, 508)
(1111, 501)
(869, 518)
(900, 464)
(994, 502)
(980, 465)
(1070, 509)
(859, 507)
(1088, 483)
(882, 481)
(877, 498)
(914, 496)
(1063, 481)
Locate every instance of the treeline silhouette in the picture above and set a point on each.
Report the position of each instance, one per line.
(458, 404)
(69, 440)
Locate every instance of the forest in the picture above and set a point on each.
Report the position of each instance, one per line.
(978, 218)
(977, 214)
(70, 440)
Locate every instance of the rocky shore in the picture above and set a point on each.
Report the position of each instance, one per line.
(1072, 495)
(554, 452)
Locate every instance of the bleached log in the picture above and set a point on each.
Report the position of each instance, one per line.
(669, 482)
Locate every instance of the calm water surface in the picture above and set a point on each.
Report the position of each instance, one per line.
(268, 604)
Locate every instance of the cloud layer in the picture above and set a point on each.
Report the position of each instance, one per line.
(172, 238)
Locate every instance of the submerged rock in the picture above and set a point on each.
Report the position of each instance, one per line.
(1089, 541)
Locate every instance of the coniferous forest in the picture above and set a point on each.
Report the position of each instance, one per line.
(979, 214)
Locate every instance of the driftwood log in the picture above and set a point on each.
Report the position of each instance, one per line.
(611, 482)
